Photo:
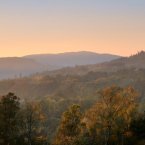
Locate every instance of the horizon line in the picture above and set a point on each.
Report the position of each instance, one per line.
(59, 53)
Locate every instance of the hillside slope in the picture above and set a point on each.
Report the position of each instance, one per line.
(17, 67)
(12, 67)
(136, 61)
(75, 85)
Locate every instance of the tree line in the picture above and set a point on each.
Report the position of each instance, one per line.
(114, 119)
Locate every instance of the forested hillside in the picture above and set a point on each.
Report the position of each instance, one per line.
(36, 115)
(81, 81)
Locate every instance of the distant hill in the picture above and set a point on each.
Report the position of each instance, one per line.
(12, 67)
(136, 61)
(82, 81)
(72, 58)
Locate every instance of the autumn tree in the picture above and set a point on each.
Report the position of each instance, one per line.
(70, 126)
(9, 121)
(31, 122)
(137, 128)
(110, 117)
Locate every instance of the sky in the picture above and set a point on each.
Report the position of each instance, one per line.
(57, 26)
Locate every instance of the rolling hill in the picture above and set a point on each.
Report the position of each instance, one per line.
(81, 82)
(135, 61)
(12, 67)
(72, 58)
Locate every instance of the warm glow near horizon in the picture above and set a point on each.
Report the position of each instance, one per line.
(48, 26)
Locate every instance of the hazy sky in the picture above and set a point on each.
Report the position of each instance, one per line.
(52, 26)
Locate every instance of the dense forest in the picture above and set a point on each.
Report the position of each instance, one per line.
(80, 81)
(114, 119)
(100, 104)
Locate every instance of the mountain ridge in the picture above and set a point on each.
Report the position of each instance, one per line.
(72, 58)
(28, 65)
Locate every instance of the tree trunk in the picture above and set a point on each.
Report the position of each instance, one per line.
(108, 135)
(122, 140)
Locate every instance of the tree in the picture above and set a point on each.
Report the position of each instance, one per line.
(9, 108)
(70, 126)
(30, 121)
(137, 128)
(110, 117)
